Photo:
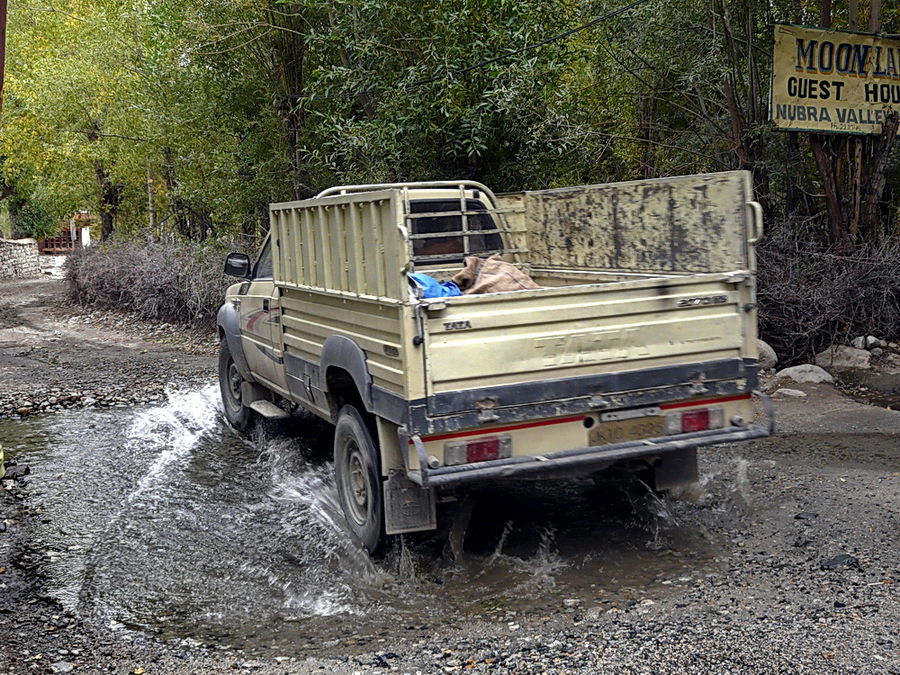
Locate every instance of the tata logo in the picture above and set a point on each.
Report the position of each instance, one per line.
(457, 325)
(596, 346)
(703, 300)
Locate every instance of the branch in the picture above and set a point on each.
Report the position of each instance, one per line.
(97, 134)
(51, 8)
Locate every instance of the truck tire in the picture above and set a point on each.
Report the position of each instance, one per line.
(358, 480)
(230, 380)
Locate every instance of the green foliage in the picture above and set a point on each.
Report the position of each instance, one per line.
(32, 219)
(203, 112)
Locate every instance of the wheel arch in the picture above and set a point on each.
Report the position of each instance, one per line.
(228, 323)
(343, 366)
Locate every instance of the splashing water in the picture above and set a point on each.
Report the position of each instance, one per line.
(165, 519)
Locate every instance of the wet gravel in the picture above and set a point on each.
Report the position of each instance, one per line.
(782, 508)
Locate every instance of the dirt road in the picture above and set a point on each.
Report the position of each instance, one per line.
(53, 357)
(153, 540)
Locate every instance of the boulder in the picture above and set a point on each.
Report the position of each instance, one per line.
(784, 392)
(859, 342)
(807, 373)
(767, 356)
(841, 357)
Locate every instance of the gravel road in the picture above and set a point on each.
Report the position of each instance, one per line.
(802, 527)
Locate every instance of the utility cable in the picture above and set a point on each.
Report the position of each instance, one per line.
(547, 41)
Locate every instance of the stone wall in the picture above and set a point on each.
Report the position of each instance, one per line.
(19, 259)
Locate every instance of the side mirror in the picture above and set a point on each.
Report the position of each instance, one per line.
(237, 265)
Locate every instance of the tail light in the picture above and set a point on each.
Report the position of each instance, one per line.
(695, 420)
(482, 449)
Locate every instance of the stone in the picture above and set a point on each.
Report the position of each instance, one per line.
(61, 667)
(767, 356)
(805, 374)
(19, 259)
(841, 357)
(859, 342)
(571, 602)
(876, 351)
(872, 341)
(791, 393)
(840, 562)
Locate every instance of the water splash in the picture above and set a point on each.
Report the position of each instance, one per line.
(173, 430)
(742, 481)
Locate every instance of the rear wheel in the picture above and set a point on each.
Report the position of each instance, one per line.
(358, 479)
(230, 381)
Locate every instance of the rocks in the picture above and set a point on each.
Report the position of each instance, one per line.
(15, 471)
(19, 259)
(61, 667)
(841, 561)
(804, 374)
(868, 342)
(843, 358)
(767, 356)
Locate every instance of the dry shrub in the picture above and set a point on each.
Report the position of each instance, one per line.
(175, 282)
(811, 296)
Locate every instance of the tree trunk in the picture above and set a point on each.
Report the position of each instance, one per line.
(875, 178)
(110, 200)
(177, 207)
(3, 13)
(828, 172)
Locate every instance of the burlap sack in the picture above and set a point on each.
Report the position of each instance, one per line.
(491, 275)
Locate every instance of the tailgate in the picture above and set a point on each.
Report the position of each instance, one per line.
(541, 339)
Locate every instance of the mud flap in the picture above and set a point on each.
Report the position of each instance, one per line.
(407, 507)
(251, 392)
(676, 469)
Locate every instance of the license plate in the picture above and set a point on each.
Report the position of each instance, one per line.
(605, 433)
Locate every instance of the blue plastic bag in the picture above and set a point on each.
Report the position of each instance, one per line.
(432, 288)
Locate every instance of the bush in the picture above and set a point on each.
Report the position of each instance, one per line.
(811, 296)
(180, 282)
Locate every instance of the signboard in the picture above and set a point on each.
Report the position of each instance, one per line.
(827, 80)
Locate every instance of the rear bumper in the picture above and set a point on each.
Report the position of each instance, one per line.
(583, 458)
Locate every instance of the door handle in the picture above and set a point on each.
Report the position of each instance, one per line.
(265, 304)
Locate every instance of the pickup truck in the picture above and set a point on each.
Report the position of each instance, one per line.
(637, 347)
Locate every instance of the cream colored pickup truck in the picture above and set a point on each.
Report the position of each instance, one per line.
(638, 346)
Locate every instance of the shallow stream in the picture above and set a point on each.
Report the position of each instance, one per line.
(165, 520)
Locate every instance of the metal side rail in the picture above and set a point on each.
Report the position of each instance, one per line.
(583, 457)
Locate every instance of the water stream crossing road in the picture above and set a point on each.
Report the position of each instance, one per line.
(161, 527)
(154, 539)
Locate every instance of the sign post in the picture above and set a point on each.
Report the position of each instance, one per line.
(833, 81)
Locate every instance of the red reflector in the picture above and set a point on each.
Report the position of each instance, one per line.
(483, 450)
(698, 420)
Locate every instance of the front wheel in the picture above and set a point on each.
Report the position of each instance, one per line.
(230, 381)
(358, 479)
